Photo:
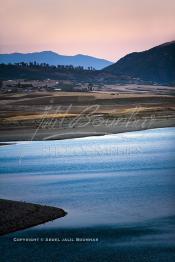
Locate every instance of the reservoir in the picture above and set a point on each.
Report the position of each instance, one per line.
(118, 190)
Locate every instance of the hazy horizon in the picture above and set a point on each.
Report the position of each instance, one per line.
(107, 29)
(40, 51)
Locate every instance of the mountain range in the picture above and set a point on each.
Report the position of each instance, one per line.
(156, 64)
(53, 58)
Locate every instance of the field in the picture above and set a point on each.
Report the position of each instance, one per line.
(59, 115)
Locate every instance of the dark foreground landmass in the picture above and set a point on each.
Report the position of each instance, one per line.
(16, 215)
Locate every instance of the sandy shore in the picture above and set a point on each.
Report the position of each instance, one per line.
(16, 215)
(104, 128)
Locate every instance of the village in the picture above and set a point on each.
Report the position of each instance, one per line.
(48, 85)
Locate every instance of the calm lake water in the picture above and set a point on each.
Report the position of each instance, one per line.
(119, 189)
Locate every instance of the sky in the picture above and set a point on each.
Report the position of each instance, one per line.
(108, 29)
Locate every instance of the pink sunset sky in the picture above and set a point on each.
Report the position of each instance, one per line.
(103, 28)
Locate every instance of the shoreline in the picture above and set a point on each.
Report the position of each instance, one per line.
(6, 143)
(18, 215)
(12, 136)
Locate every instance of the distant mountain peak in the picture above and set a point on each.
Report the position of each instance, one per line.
(53, 58)
(48, 52)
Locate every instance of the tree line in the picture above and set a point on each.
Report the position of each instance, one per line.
(47, 67)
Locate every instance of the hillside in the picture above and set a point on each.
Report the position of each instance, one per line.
(53, 58)
(45, 71)
(156, 64)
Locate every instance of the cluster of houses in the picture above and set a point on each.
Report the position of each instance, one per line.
(27, 86)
